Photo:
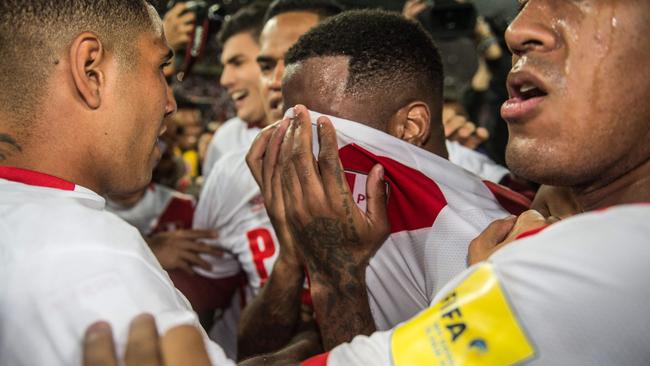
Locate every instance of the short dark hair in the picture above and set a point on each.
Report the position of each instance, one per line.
(33, 32)
(323, 8)
(386, 53)
(249, 19)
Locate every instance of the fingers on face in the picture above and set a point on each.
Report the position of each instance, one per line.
(99, 349)
(329, 162)
(270, 161)
(143, 348)
(291, 190)
(256, 153)
(377, 199)
(302, 156)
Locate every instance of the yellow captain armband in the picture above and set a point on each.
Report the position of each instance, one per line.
(472, 325)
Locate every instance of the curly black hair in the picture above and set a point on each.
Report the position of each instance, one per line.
(387, 53)
(324, 8)
(248, 19)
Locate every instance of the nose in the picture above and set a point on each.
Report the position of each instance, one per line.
(276, 78)
(531, 30)
(227, 79)
(170, 105)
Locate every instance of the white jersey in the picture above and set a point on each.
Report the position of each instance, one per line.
(232, 204)
(234, 135)
(574, 294)
(475, 162)
(160, 209)
(65, 263)
(435, 209)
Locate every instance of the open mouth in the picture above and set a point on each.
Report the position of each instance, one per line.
(276, 104)
(527, 90)
(526, 93)
(239, 95)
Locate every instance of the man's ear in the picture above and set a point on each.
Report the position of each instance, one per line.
(411, 123)
(87, 57)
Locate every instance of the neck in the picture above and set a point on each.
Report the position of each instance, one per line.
(19, 151)
(9, 147)
(631, 187)
(436, 144)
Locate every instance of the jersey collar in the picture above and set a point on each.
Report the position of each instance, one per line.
(34, 178)
(38, 179)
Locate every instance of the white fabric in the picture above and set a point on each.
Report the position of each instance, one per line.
(415, 262)
(146, 213)
(579, 291)
(65, 263)
(232, 205)
(475, 162)
(235, 134)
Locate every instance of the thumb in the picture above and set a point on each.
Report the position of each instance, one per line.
(376, 196)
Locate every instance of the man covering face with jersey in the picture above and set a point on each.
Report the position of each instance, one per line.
(385, 88)
(573, 292)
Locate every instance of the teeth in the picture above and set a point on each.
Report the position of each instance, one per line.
(238, 95)
(526, 88)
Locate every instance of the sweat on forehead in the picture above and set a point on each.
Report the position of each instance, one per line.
(387, 55)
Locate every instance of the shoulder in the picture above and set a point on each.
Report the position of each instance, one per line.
(601, 234)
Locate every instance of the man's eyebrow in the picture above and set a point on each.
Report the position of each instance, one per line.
(266, 59)
(233, 58)
(169, 55)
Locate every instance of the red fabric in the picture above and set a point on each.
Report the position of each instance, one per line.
(528, 233)
(178, 215)
(513, 202)
(414, 200)
(319, 360)
(206, 294)
(34, 178)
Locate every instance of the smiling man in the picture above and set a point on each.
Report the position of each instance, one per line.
(241, 79)
(81, 108)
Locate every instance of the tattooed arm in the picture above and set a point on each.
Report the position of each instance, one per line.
(272, 318)
(335, 237)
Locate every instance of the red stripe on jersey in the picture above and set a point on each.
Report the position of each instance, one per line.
(318, 360)
(511, 201)
(528, 233)
(34, 178)
(414, 200)
(178, 215)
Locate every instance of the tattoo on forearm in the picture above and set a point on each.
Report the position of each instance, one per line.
(271, 320)
(8, 146)
(342, 298)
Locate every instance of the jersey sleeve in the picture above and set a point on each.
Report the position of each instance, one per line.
(573, 294)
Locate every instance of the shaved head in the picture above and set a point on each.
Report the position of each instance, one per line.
(34, 35)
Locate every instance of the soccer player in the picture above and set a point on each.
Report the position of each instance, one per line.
(569, 293)
(391, 85)
(81, 108)
(239, 39)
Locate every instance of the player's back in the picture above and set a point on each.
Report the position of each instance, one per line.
(65, 263)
